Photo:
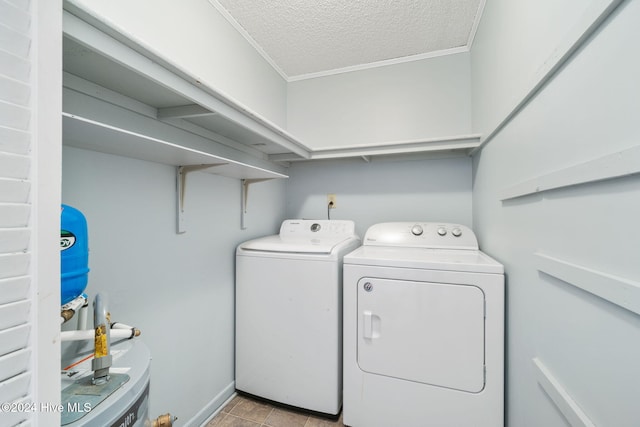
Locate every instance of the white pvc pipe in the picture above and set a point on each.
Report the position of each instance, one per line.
(118, 325)
(82, 317)
(90, 334)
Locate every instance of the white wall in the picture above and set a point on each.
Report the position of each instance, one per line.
(590, 109)
(421, 99)
(383, 190)
(196, 37)
(178, 289)
(512, 43)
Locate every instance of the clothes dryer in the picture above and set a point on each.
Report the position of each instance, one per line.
(289, 314)
(423, 329)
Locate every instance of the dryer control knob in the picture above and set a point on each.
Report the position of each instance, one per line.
(456, 232)
(416, 230)
(442, 231)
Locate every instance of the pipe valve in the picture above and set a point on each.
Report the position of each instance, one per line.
(165, 420)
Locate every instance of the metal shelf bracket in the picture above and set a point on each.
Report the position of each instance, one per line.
(245, 197)
(181, 186)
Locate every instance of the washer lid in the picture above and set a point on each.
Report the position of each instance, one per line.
(293, 245)
(425, 258)
(305, 236)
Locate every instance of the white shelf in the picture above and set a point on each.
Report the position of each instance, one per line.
(120, 98)
(460, 144)
(99, 61)
(85, 133)
(104, 64)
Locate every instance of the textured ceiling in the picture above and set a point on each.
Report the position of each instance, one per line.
(302, 38)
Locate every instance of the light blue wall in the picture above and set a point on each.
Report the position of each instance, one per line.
(513, 41)
(590, 109)
(383, 190)
(415, 100)
(178, 289)
(423, 99)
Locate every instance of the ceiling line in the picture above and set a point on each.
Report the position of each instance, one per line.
(378, 64)
(248, 37)
(410, 58)
(476, 23)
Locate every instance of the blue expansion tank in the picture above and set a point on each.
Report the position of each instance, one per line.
(74, 253)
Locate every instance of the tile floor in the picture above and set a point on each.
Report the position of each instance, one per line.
(244, 411)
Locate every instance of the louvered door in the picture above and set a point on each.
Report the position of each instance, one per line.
(27, 134)
(15, 209)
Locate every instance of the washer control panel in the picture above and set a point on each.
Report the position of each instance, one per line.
(299, 228)
(422, 235)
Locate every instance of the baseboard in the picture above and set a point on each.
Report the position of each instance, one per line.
(212, 408)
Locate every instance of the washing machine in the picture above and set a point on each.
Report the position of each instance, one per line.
(289, 314)
(423, 329)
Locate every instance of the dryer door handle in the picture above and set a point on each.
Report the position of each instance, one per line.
(370, 325)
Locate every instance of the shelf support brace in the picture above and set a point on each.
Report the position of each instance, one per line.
(181, 186)
(245, 196)
(184, 111)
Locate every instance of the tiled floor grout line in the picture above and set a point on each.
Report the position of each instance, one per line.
(262, 424)
(239, 412)
(267, 417)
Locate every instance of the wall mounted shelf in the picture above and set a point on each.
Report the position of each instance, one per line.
(89, 134)
(122, 98)
(461, 144)
(107, 62)
(98, 53)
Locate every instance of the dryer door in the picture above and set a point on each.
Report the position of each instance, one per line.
(432, 333)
